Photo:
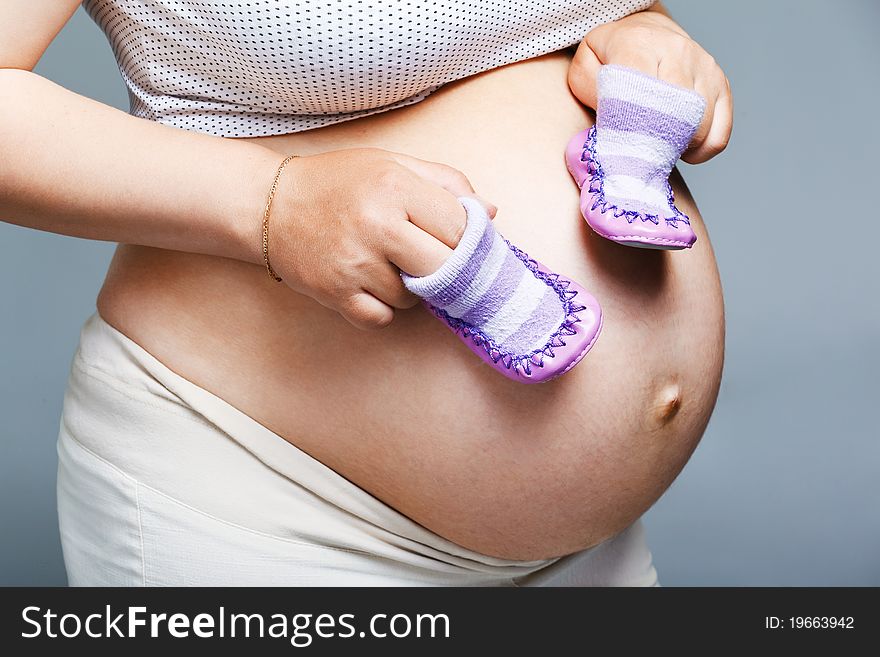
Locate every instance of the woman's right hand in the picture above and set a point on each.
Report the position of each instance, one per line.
(344, 223)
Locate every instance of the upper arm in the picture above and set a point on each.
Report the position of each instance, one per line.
(27, 27)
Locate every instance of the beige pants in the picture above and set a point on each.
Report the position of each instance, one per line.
(162, 483)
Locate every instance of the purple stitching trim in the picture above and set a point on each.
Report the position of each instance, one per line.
(522, 363)
(598, 176)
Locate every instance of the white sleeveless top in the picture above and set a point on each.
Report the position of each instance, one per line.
(267, 67)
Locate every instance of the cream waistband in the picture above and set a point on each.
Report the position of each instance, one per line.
(189, 444)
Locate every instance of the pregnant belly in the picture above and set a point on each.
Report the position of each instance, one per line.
(407, 412)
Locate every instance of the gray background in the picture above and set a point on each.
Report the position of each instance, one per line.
(784, 489)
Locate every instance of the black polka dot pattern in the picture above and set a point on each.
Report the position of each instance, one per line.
(268, 67)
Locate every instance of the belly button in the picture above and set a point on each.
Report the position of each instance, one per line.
(667, 404)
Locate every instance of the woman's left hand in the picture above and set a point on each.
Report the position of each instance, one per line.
(653, 43)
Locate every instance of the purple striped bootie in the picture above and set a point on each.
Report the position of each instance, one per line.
(622, 164)
(529, 324)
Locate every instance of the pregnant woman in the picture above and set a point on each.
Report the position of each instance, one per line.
(220, 427)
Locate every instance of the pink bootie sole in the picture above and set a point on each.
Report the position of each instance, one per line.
(626, 227)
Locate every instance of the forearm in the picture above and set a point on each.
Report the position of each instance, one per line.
(73, 166)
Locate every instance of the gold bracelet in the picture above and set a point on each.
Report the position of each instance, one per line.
(272, 190)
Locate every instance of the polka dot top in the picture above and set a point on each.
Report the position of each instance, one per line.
(268, 67)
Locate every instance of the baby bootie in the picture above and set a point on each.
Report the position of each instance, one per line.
(622, 164)
(524, 321)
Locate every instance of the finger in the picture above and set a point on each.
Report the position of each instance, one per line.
(365, 311)
(719, 131)
(435, 211)
(705, 123)
(416, 252)
(445, 176)
(491, 208)
(582, 75)
(673, 70)
(639, 52)
(385, 285)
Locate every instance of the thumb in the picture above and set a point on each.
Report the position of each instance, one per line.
(583, 73)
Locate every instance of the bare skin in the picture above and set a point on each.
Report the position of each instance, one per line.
(406, 412)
